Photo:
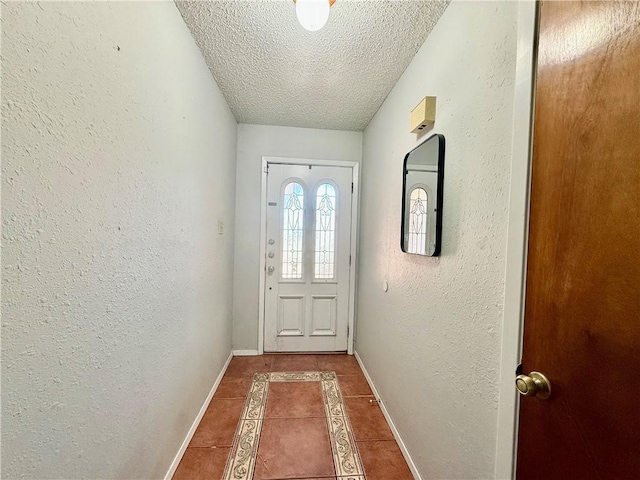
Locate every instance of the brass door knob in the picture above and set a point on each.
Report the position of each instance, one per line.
(534, 384)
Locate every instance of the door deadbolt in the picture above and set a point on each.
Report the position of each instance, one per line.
(534, 384)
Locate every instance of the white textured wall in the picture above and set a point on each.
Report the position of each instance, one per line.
(432, 342)
(254, 142)
(118, 161)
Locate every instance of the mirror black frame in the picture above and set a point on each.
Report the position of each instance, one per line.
(439, 194)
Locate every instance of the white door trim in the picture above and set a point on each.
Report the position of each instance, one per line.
(516, 256)
(355, 167)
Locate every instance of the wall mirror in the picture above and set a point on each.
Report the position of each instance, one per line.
(422, 198)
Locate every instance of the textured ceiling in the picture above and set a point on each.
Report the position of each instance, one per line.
(274, 72)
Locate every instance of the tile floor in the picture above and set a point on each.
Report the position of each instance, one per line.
(294, 441)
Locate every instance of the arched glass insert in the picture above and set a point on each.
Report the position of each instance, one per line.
(292, 231)
(418, 221)
(325, 247)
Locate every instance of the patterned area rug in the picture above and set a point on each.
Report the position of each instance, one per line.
(242, 458)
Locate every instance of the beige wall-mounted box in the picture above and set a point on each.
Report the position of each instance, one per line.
(424, 115)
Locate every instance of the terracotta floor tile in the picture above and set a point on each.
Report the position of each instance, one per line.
(218, 426)
(247, 366)
(383, 461)
(342, 364)
(294, 363)
(294, 448)
(367, 420)
(354, 385)
(295, 400)
(202, 463)
(233, 387)
(294, 442)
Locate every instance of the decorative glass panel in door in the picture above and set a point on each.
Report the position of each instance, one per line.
(292, 230)
(325, 232)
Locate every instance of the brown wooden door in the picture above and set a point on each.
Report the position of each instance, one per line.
(582, 310)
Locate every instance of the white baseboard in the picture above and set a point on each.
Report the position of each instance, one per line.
(196, 422)
(245, 353)
(394, 430)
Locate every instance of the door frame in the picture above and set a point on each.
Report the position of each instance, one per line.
(355, 178)
(517, 239)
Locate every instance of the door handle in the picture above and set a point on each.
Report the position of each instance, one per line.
(534, 384)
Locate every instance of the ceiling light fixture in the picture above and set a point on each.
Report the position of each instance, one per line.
(313, 14)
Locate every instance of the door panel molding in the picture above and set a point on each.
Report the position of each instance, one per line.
(316, 300)
(355, 175)
(283, 330)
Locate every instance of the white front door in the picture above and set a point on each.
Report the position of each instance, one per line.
(308, 264)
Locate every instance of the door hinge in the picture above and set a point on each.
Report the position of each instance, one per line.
(351, 187)
(349, 260)
(266, 169)
(347, 330)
